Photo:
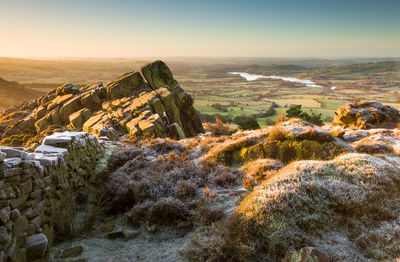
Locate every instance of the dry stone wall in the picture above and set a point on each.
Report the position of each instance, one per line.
(30, 183)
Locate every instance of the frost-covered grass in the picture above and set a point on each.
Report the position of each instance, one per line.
(258, 170)
(157, 182)
(348, 207)
(378, 144)
(289, 141)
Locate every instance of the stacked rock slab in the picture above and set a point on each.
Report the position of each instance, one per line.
(147, 102)
(30, 185)
(366, 115)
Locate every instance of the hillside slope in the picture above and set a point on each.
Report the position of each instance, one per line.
(12, 93)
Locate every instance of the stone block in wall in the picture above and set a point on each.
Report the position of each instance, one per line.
(12, 152)
(13, 180)
(36, 222)
(2, 157)
(5, 238)
(16, 202)
(10, 192)
(47, 180)
(57, 139)
(3, 256)
(36, 194)
(10, 172)
(20, 226)
(17, 191)
(46, 149)
(4, 215)
(12, 162)
(46, 160)
(9, 226)
(15, 253)
(27, 164)
(26, 187)
(26, 176)
(28, 213)
(36, 246)
(38, 184)
(14, 214)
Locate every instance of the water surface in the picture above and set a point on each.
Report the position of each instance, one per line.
(253, 77)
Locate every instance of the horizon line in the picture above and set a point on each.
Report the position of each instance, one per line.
(205, 57)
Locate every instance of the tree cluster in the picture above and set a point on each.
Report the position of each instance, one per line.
(296, 111)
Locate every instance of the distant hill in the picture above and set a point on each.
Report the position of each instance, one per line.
(365, 68)
(277, 69)
(314, 71)
(12, 93)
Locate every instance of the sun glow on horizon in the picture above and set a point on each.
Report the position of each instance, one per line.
(227, 29)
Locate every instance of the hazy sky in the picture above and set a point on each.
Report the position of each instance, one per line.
(123, 28)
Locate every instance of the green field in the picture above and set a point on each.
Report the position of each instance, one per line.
(370, 81)
(208, 81)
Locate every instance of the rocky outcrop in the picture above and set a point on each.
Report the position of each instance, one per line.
(146, 102)
(31, 185)
(366, 115)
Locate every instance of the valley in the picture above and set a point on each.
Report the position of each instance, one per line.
(216, 92)
(105, 172)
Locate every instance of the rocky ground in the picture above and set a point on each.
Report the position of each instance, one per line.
(166, 191)
(124, 243)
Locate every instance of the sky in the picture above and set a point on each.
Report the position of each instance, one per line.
(178, 28)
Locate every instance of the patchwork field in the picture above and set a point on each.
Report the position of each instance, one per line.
(218, 93)
(377, 81)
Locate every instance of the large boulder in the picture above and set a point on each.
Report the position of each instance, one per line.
(93, 99)
(366, 115)
(158, 75)
(67, 89)
(130, 84)
(42, 124)
(70, 107)
(36, 246)
(78, 118)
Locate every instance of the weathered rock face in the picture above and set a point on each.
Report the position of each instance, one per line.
(366, 115)
(148, 102)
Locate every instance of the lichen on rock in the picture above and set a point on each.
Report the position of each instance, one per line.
(366, 115)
